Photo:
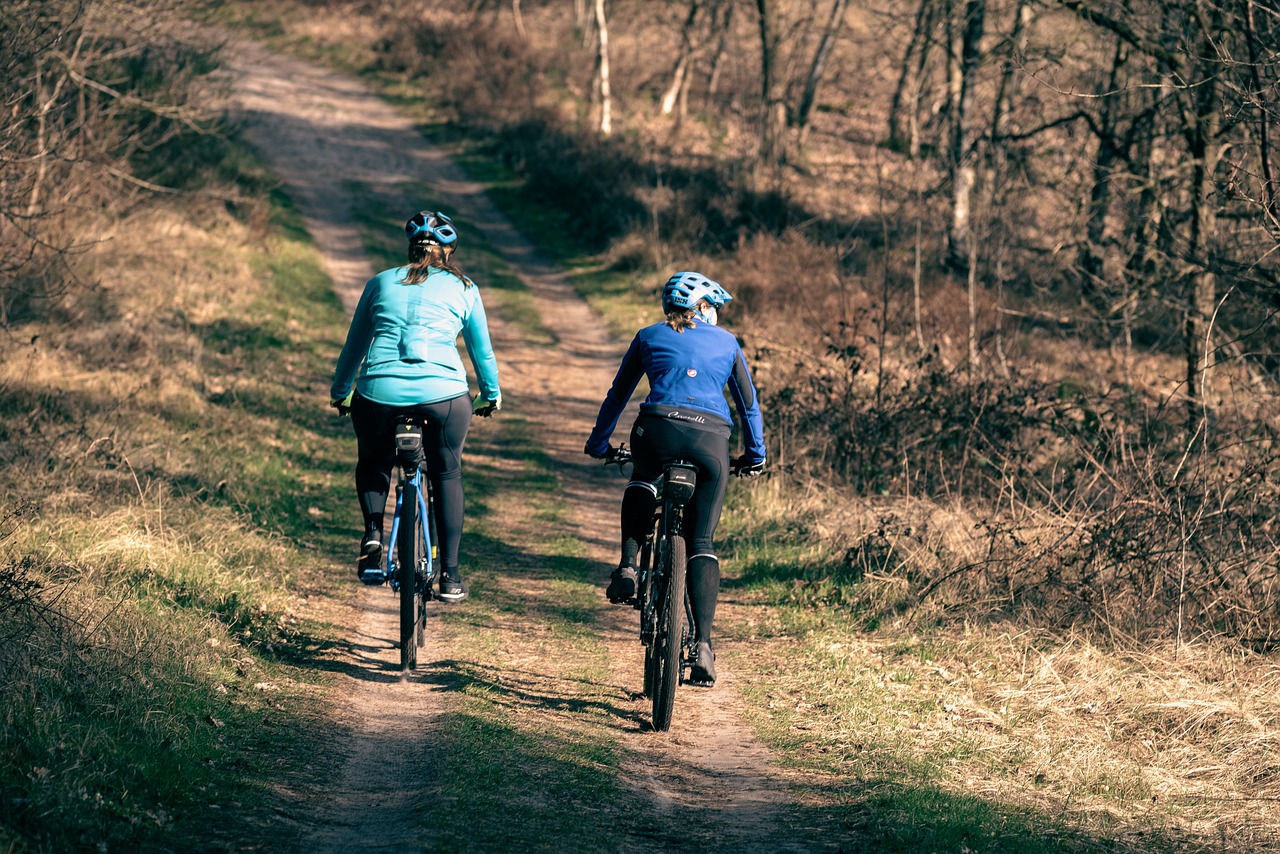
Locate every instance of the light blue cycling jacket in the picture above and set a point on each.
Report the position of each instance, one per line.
(403, 341)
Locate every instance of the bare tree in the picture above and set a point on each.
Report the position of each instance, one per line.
(1260, 102)
(518, 17)
(818, 66)
(722, 23)
(679, 73)
(89, 91)
(602, 85)
(964, 134)
(772, 86)
(911, 80)
(1202, 110)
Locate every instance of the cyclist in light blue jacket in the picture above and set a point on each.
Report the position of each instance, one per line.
(403, 344)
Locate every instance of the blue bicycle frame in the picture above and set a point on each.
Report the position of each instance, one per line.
(424, 522)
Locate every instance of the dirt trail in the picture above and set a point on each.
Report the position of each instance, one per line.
(319, 130)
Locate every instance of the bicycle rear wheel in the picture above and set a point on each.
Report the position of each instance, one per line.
(408, 549)
(667, 640)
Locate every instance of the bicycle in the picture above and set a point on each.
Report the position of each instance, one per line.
(666, 613)
(410, 565)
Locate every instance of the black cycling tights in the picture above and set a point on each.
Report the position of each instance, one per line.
(446, 427)
(656, 441)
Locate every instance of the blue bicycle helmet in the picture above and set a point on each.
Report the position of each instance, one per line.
(426, 227)
(685, 290)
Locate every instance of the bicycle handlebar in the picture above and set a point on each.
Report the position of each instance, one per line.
(618, 456)
(741, 468)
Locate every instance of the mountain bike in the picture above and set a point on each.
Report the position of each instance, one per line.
(410, 565)
(666, 614)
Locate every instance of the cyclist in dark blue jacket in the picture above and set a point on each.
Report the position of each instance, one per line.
(689, 361)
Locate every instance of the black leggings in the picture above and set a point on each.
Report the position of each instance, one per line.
(446, 427)
(656, 441)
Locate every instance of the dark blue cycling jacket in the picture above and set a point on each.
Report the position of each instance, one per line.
(687, 374)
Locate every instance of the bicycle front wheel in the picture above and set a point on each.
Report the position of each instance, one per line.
(667, 640)
(650, 669)
(408, 549)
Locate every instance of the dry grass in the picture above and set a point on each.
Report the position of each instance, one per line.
(1128, 743)
(149, 558)
(1154, 742)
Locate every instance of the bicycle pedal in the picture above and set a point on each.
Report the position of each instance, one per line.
(373, 577)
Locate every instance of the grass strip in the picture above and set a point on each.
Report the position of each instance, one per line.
(158, 561)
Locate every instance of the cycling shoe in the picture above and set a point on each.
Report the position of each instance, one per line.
(702, 670)
(452, 587)
(622, 585)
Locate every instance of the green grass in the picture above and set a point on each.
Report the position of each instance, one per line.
(148, 588)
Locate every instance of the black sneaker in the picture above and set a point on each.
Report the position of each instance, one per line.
(702, 670)
(371, 546)
(622, 585)
(452, 587)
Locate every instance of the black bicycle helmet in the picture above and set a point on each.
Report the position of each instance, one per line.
(427, 227)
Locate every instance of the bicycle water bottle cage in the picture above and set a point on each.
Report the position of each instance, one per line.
(409, 444)
(680, 482)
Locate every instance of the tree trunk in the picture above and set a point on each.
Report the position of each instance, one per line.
(774, 129)
(582, 21)
(722, 44)
(1007, 94)
(1097, 275)
(963, 171)
(679, 75)
(602, 71)
(909, 82)
(519, 19)
(819, 66)
(672, 96)
(1270, 204)
(1204, 123)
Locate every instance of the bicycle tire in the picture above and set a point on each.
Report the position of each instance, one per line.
(667, 641)
(407, 545)
(424, 589)
(647, 616)
(650, 670)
